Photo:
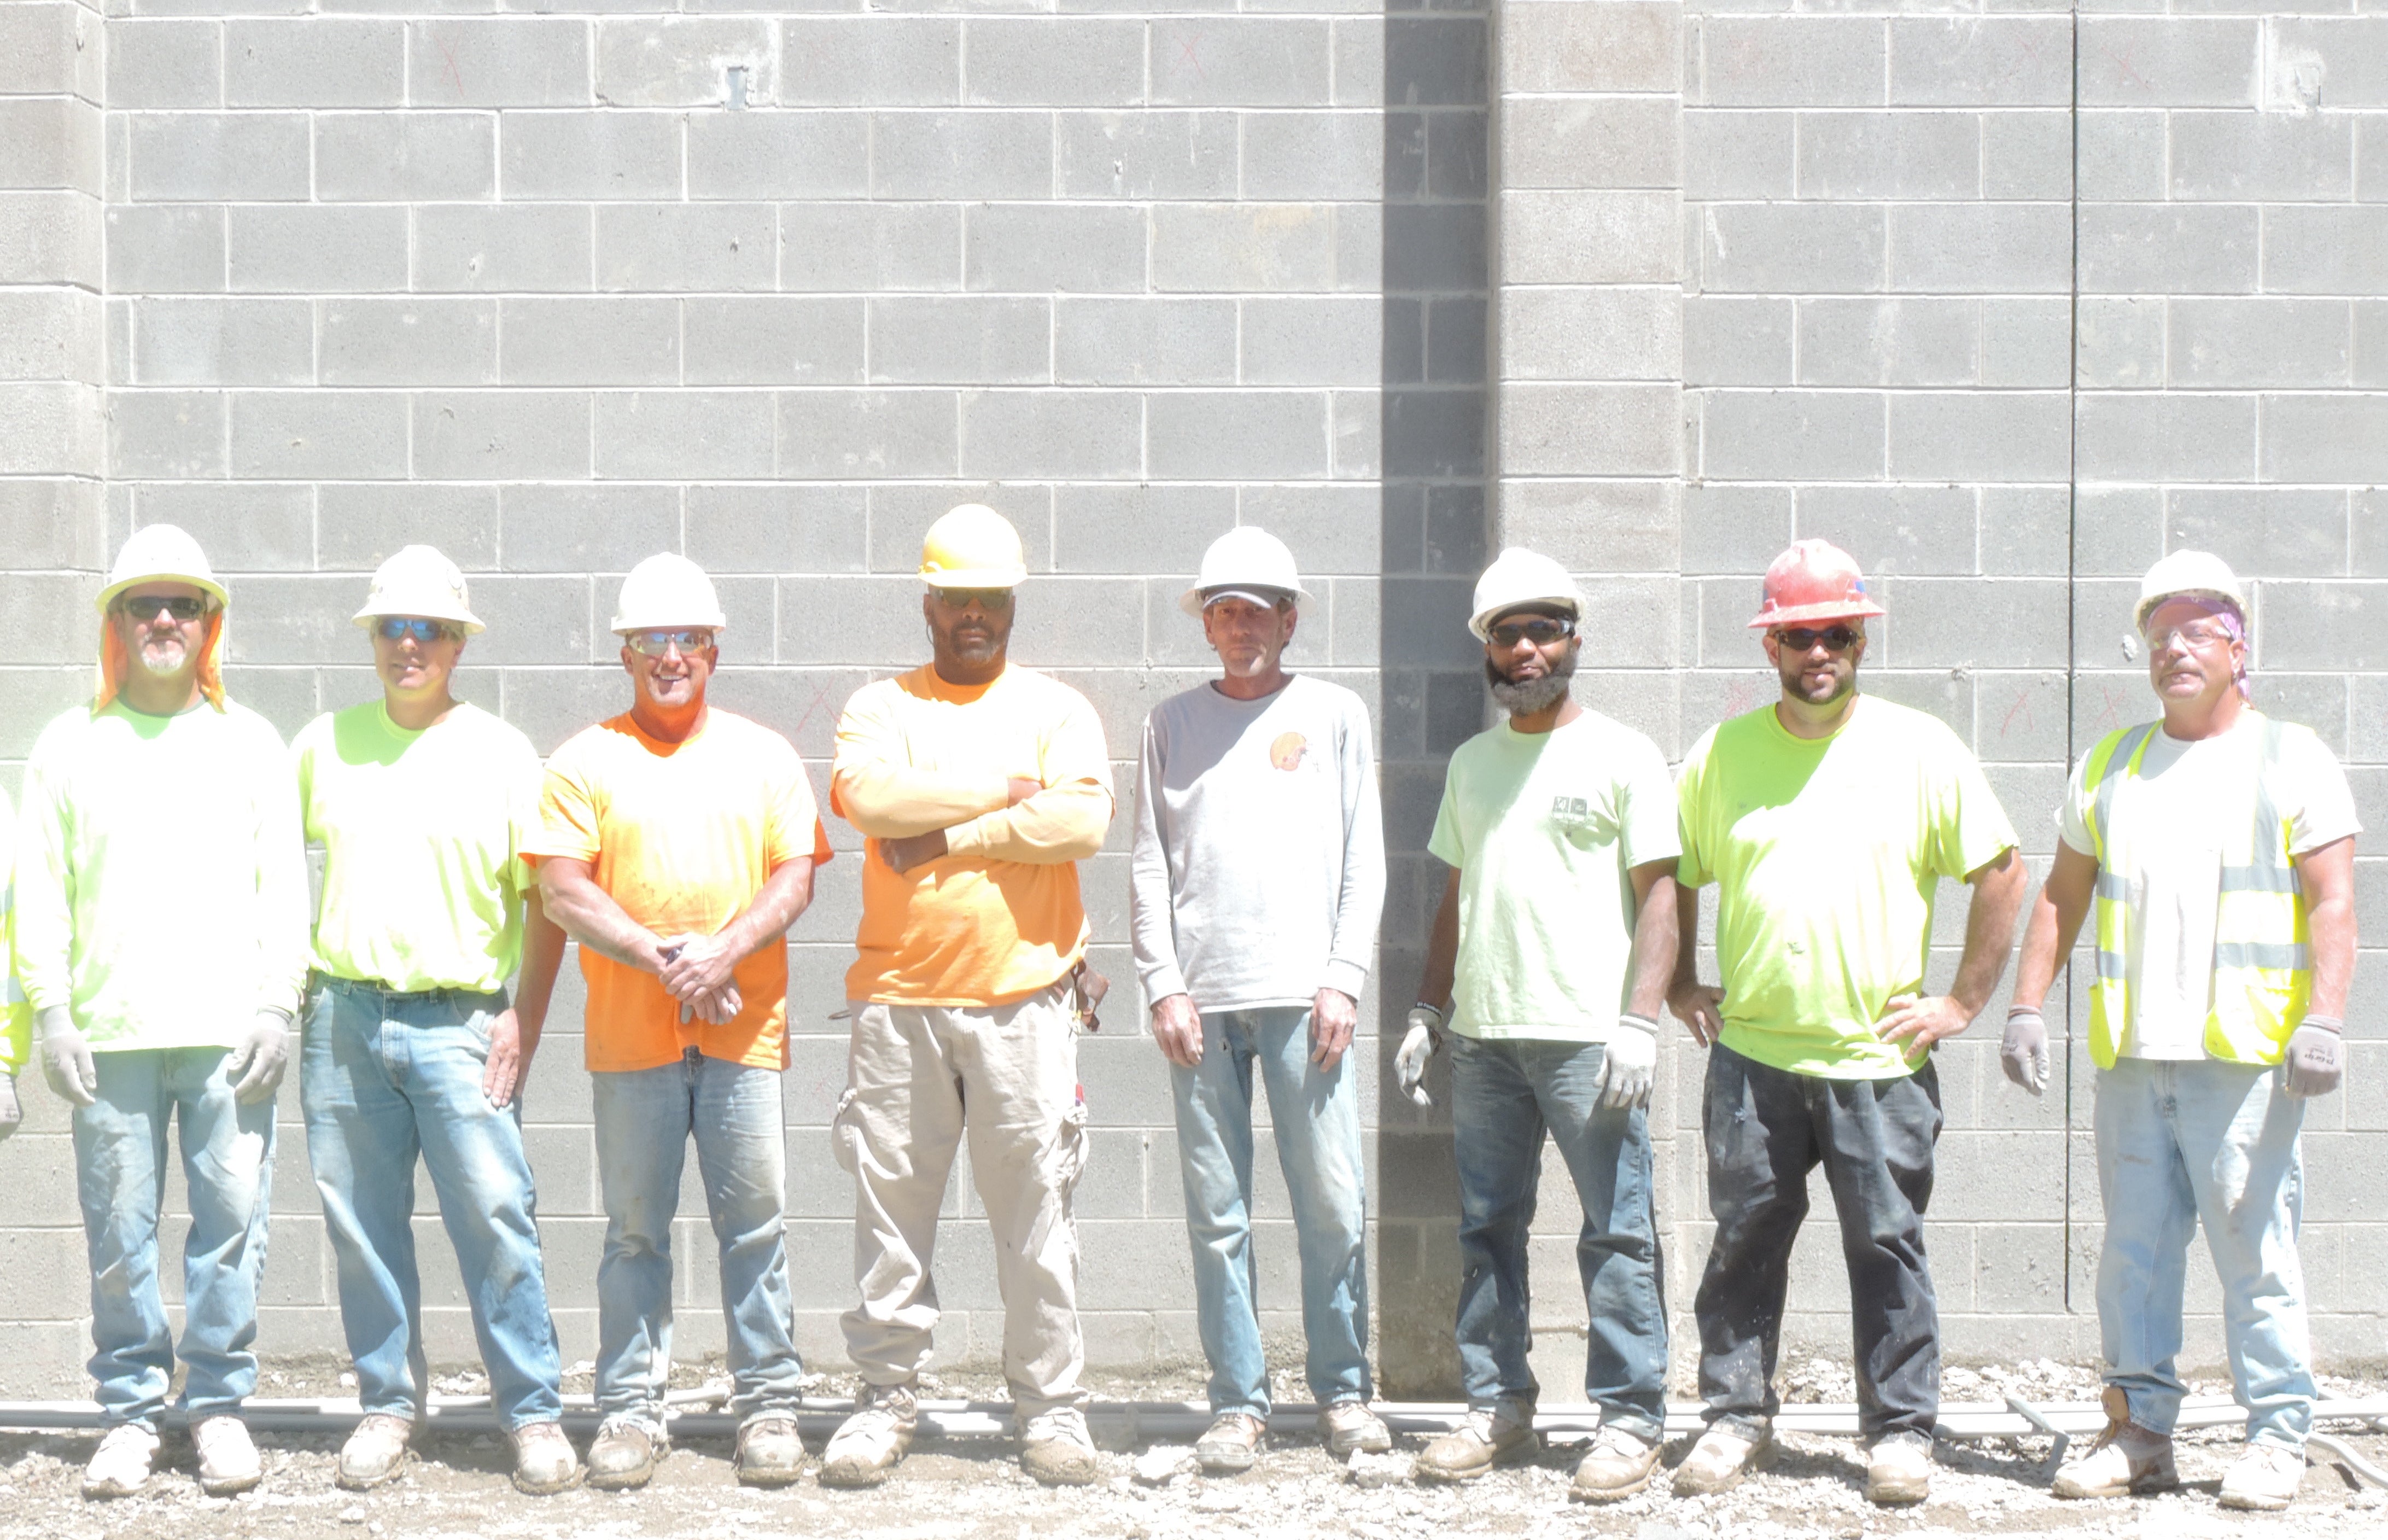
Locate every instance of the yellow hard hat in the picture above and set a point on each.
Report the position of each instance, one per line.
(972, 546)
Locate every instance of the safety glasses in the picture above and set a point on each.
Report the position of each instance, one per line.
(656, 643)
(1840, 639)
(1542, 631)
(397, 628)
(994, 601)
(183, 608)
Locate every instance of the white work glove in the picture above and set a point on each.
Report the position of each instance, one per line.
(65, 1059)
(255, 1068)
(2023, 1052)
(1418, 1044)
(11, 1114)
(2317, 1057)
(1630, 1062)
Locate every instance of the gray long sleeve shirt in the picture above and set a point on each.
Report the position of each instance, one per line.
(1259, 868)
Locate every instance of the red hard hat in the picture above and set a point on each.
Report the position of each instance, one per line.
(1813, 581)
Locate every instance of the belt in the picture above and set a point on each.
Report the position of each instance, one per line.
(387, 991)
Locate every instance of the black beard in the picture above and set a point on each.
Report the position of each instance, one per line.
(1534, 695)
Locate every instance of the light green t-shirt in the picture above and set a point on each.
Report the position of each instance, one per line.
(1546, 828)
(1826, 854)
(16, 1015)
(421, 834)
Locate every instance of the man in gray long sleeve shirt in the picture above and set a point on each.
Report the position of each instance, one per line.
(1257, 878)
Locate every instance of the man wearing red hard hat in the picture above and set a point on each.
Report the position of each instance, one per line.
(1826, 819)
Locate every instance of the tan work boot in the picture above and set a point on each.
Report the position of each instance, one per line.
(1350, 1428)
(770, 1450)
(872, 1438)
(1620, 1464)
(1481, 1441)
(1056, 1449)
(1725, 1454)
(1899, 1469)
(627, 1451)
(1231, 1445)
(228, 1458)
(2265, 1478)
(2125, 1461)
(375, 1452)
(545, 1462)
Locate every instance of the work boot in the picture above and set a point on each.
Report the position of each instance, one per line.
(120, 1466)
(626, 1453)
(1899, 1469)
(2125, 1461)
(545, 1462)
(1056, 1448)
(771, 1451)
(1619, 1464)
(2265, 1478)
(1350, 1428)
(375, 1452)
(1231, 1445)
(1725, 1454)
(1481, 1441)
(872, 1438)
(228, 1461)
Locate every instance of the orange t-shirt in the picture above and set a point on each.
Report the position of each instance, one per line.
(682, 836)
(998, 917)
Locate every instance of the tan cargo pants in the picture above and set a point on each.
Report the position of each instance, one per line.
(918, 1078)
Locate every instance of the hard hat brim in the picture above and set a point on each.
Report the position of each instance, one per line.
(1480, 623)
(1834, 609)
(1196, 599)
(209, 585)
(2155, 602)
(975, 577)
(364, 617)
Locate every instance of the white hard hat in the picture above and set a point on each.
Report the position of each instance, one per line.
(1246, 560)
(1521, 577)
(2188, 572)
(665, 592)
(161, 553)
(419, 580)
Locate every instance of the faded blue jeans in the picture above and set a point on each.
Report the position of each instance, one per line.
(119, 1145)
(1504, 1095)
(1316, 1113)
(384, 1077)
(644, 1119)
(2181, 1143)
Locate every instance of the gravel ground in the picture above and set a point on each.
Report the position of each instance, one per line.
(973, 1488)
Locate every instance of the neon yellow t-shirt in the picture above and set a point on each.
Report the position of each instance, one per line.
(422, 836)
(1826, 854)
(16, 1015)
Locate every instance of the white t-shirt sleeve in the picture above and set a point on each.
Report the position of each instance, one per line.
(1652, 822)
(2072, 812)
(2321, 804)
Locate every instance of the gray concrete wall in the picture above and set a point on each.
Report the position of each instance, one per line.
(1655, 288)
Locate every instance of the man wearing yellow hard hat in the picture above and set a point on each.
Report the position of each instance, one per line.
(161, 933)
(981, 786)
(2217, 847)
(424, 805)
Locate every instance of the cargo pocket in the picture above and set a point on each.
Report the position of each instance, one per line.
(845, 1139)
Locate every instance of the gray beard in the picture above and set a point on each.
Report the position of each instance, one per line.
(161, 667)
(1534, 695)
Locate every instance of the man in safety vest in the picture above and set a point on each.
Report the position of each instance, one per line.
(2217, 849)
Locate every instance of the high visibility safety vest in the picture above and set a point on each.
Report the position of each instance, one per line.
(2263, 955)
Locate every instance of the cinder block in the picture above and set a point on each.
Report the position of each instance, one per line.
(593, 529)
(1234, 435)
(2120, 341)
(314, 61)
(1145, 341)
(1230, 247)
(246, 157)
(980, 154)
(2027, 341)
(500, 434)
(1787, 61)
(55, 236)
(1041, 247)
(242, 528)
(1145, 154)
(1981, 61)
(51, 141)
(44, 49)
(679, 435)
(2326, 250)
(2290, 532)
(499, 61)
(1136, 530)
(1792, 435)
(1979, 436)
(1019, 434)
(1628, 45)
(1730, 155)
(781, 528)
(869, 246)
(620, 340)
(405, 156)
(1435, 60)
(222, 342)
(48, 524)
(513, 247)
(1426, 248)
(1459, 154)
(50, 334)
(2128, 249)
(590, 154)
(966, 341)
(1601, 334)
(408, 342)
(302, 435)
(1982, 248)
(1589, 142)
(1913, 341)
(2326, 437)
(2259, 341)
(2027, 154)
(1906, 154)
(779, 155)
(156, 62)
(1240, 62)
(359, 527)
(1053, 61)
(1738, 341)
(871, 60)
(773, 339)
(1807, 248)
(1293, 157)
(1548, 428)
(2122, 155)
(2169, 437)
(2371, 342)
(2168, 61)
(51, 427)
(2243, 157)
(867, 433)
(315, 249)
(1609, 526)
(682, 60)
(1309, 342)
(166, 433)
(688, 246)
(2352, 52)
(1894, 531)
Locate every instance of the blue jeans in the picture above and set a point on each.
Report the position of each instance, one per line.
(1504, 1095)
(384, 1077)
(1318, 1117)
(2181, 1143)
(119, 1145)
(644, 1119)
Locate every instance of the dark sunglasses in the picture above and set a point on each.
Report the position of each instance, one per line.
(181, 608)
(395, 628)
(1542, 631)
(1840, 639)
(656, 643)
(994, 601)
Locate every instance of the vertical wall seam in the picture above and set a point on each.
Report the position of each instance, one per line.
(2072, 561)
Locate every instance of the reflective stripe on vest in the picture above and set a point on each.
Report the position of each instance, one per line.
(2262, 954)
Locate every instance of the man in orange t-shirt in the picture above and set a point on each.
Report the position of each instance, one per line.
(980, 785)
(677, 844)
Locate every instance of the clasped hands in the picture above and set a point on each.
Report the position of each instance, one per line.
(696, 970)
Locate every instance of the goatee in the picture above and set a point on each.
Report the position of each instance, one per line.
(1525, 697)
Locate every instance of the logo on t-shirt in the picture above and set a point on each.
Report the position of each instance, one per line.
(1571, 807)
(1286, 751)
